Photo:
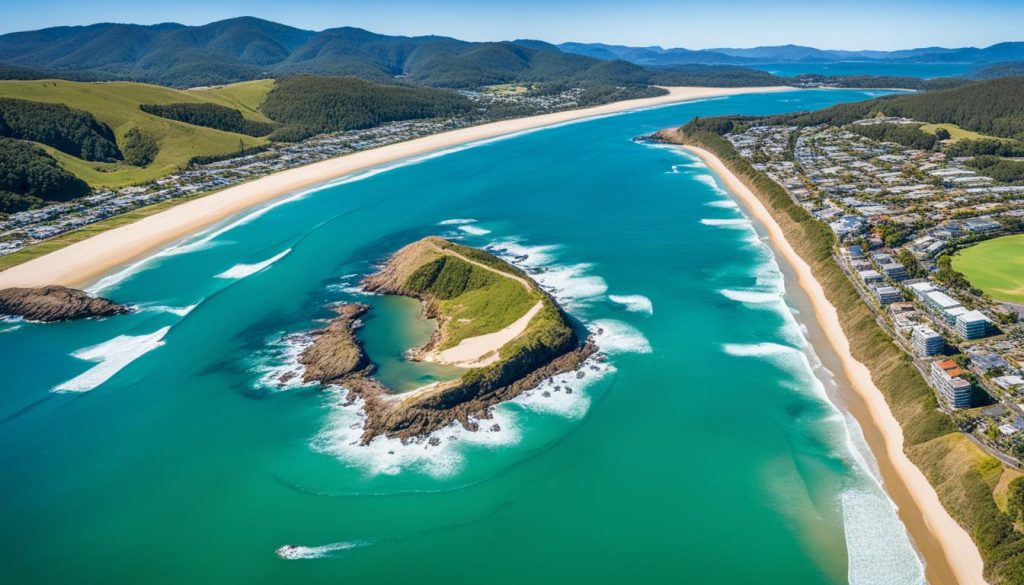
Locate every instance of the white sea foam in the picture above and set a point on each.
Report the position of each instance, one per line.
(634, 303)
(751, 297)
(761, 349)
(111, 356)
(735, 223)
(201, 241)
(278, 366)
(710, 182)
(571, 285)
(523, 255)
(10, 329)
(293, 553)
(615, 337)
(723, 204)
(239, 271)
(456, 221)
(876, 542)
(384, 456)
(564, 394)
(474, 231)
(179, 311)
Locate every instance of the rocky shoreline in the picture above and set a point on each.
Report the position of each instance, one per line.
(56, 303)
(337, 357)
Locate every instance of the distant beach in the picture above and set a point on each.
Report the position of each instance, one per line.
(948, 550)
(86, 261)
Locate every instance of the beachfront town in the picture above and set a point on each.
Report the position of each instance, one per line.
(898, 214)
(25, 228)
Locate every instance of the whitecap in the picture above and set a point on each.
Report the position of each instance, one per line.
(751, 297)
(179, 311)
(634, 303)
(614, 337)
(278, 366)
(112, 356)
(293, 553)
(571, 285)
(563, 394)
(520, 254)
(723, 204)
(764, 348)
(456, 221)
(474, 231)
(239, 271)
(740, 223)
(342, 434)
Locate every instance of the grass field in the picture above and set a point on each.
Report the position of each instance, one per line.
(957, 133)
(996, 267)
(117, 105)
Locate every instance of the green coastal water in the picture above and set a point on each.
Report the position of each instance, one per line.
(157, 447)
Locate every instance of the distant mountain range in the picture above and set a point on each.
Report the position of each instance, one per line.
(246, 48)
(658, 56)
(249, 48)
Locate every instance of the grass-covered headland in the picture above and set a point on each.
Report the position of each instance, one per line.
(471, 293)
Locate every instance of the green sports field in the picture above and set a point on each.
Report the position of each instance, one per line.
(996, 267)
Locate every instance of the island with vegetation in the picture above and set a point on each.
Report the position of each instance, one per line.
(493, 321)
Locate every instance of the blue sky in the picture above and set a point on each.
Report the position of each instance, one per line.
(850, 24)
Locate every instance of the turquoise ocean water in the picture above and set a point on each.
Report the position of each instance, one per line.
(155, 447)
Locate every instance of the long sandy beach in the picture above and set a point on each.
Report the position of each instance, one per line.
(948, 551)
(85, 261)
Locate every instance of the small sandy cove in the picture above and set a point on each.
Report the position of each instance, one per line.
(83, 262)
(484, 350)
(933, 529)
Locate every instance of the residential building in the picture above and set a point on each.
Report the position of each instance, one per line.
(888, 294)
(927, 342)
(954, 390)
(972, 325)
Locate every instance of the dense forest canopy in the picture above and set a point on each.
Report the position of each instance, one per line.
(909, 135)
(209, 116)
(29, 177)
(68, 130)
(334, 104)
(990, 107)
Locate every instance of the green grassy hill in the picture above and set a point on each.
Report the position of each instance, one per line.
(116, 104)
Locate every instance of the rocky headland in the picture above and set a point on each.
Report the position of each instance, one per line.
(511, 333)
(56, 303)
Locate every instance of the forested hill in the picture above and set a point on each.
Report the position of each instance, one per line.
(249, 48)
(992, 107)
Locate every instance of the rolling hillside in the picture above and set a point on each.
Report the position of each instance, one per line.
(117, 106)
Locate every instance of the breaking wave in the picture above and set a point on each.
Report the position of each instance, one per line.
(239, 271)
(634, 303)
(111, 357)
(615, 337)
(474, 231)
(741, 223)
(456, 221)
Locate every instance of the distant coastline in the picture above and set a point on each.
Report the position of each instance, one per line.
(949, 553)
(84, 262)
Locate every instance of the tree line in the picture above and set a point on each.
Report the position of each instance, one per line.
(68, 130)
(209, 116)
(29, 177)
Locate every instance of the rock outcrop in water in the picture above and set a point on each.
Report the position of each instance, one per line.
(547, 347)
(336, 351)
(56, 303)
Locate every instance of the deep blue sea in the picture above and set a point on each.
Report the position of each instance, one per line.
(923, 70)
(157, 448)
